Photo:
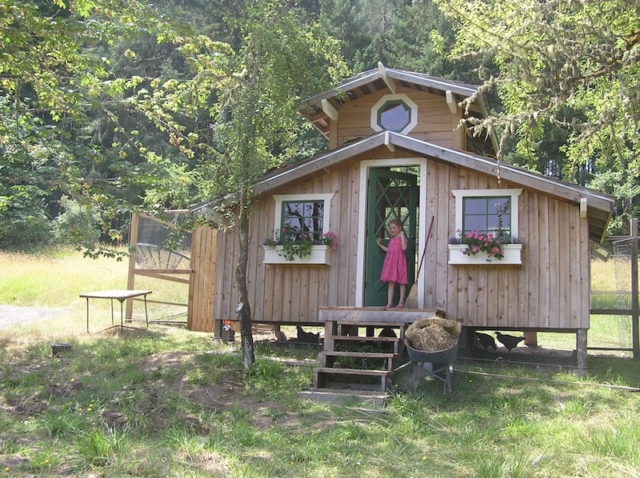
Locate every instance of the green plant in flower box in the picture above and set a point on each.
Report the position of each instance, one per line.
(299, 244)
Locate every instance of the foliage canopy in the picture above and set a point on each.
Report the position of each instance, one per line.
(563, 65)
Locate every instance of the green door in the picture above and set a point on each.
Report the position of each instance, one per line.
(391, 195)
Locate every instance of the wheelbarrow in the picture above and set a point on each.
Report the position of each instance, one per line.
(432, 364)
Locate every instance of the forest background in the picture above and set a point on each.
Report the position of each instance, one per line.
(115, 106)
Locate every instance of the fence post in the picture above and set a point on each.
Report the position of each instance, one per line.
(635, 309)
(131, 280)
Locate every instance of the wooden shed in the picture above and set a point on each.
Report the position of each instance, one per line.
(398, 147)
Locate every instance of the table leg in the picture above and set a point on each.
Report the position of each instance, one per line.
(87, 314)
(146, 313)
(112, 323)
(121, 314)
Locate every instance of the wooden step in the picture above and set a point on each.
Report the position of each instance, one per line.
(374, 400)
(362, 338)
(333, 353)
(320, 376)
(348, 345)
(343, 328)
(379, 324)
(352, 371)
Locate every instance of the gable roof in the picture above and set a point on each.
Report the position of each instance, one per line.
(369, 82)
(599, 205)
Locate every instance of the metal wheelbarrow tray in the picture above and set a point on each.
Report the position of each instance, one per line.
(434, 364)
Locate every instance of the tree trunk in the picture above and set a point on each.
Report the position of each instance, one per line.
(243, 310)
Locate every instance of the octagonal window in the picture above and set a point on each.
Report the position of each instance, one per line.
(396, 113)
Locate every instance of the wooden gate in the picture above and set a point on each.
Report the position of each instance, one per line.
(151, 259)
(203, 278)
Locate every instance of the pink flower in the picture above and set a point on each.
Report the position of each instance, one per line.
(474, 249)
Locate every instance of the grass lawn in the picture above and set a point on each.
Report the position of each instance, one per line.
(168, 402)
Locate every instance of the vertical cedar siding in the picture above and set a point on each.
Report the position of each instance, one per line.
(550, 289)
(434, 118)
(202, 285)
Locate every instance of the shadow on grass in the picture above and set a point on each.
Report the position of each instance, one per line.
(621, 371)
(179, 407)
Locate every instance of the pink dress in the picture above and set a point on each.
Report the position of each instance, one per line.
(394, 268)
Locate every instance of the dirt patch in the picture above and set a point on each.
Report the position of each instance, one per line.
(13, 315)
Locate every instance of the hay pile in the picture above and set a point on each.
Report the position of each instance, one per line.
(432, 334)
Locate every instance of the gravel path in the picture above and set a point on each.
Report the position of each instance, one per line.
(12, 315)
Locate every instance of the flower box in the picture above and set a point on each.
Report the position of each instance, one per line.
(319, 255)
(512, 255)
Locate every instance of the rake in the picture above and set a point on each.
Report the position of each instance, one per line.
(411, 302)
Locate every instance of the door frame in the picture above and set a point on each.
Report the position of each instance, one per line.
(362, 218)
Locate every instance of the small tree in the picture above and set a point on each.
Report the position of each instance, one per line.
(282, 57)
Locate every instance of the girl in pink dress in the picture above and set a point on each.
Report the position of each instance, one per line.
(394, 269)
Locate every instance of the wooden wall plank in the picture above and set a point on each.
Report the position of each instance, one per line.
(209, 276)
(553, 263)
(195, 240)
(533, 259)
(585, 277)
(434, 267)
(524, 214)
(563, 257)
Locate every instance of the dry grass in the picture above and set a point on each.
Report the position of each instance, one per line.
(55, 278)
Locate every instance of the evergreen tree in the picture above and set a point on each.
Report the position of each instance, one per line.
(570, 64)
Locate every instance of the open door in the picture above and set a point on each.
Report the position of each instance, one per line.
(391, 195)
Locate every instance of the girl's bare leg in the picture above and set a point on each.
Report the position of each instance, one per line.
(390, 291)
(403, 289)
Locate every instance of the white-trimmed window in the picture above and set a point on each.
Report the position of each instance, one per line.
(487, 210)
(396, 112)
(492, 211)
(307, 213)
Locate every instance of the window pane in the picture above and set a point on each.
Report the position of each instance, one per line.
(499, 205)
(475, 206)
(395, 116)
(499, 224)
(475, 223)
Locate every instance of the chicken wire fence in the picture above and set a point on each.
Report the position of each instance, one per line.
(624, 252)
(162, 245)
(611, 320)
(162, 252)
